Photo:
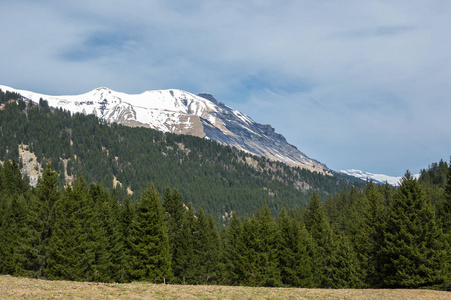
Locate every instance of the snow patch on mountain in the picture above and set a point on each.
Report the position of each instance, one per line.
(378, 178)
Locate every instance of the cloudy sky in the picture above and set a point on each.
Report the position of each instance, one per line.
(354, 84)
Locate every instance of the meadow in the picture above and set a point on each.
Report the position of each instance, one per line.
(26, 288)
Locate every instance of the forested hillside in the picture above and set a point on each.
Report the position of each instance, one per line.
(345, 236)
(217, 178)
(380, 236)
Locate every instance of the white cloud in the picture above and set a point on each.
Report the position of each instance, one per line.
(369, 79)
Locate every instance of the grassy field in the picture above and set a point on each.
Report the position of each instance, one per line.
(25, 288)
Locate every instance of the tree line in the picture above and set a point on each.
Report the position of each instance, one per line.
(378, 236)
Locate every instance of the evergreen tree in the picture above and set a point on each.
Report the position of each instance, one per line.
(345, 268)
(184, 267)
(307, 271)
(354, 212)
(215, 267)
(370, 237)
(122, 251)
(12, 236)
(251, 273)
(41, 222)
(65, 251)
(2, 185)
(150, 253)
(446, 214)
(446, 225)
(318, 225)
(174, 212)
(267, 271)
(92, 237)
(234, 252)
(294, 261)
(12, 182)
(206, 250)
(98, 232)
(411, 250)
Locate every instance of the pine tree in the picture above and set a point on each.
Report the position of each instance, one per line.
(446, 214)
(215, 268)
(411, 250)
(306, 271)
(344, 266)
(268, 273)
(318, 225)
(2, 185)
(65, 251)
(12, 236)
(174, 213)
(294, 261)
(370, 237)
(250, 256)
(12, 182)
(41, 221)
(446, 225)
(234, 250)
(184, 267)
(150, 253)
(92, 235)
(122, 251)
(206, 250)
(97, 234)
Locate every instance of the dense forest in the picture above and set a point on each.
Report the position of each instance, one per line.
(380, 236)
(363, 236)
(212, 176)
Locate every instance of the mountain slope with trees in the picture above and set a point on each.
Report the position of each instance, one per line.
(377, 237)
(371, 236)
(212, 176)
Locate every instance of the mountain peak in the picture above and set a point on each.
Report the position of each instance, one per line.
(210, 98)
(181, 112)
(102, 88)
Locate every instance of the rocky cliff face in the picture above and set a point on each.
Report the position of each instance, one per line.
(240, 131)
(183, 113)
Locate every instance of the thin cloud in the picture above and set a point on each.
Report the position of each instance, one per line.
(373, 32)
(100, 44)
(353, 84)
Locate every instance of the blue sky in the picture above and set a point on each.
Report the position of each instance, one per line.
(354, 84)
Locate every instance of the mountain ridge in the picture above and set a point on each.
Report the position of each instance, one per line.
(126, 160)
(378, 178)
(182, 112)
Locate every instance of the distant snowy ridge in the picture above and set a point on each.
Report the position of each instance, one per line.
(379, 178)
(182, 113)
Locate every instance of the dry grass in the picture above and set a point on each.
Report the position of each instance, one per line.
(25, 288)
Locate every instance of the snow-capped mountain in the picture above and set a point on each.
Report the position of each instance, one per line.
(183, 113)
(378, 178)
